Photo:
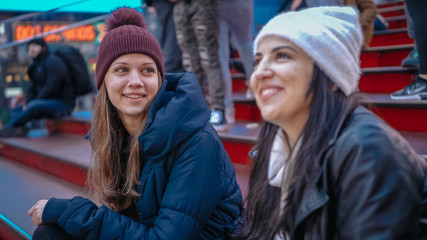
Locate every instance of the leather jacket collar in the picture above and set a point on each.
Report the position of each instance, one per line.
(314, 196)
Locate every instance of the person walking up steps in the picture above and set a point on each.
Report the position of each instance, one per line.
(196, 23)
(417, 10)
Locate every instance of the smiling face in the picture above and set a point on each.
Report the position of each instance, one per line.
(132, 81)
(280, 82)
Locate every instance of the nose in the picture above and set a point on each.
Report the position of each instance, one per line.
(135, 79)
(262, 71)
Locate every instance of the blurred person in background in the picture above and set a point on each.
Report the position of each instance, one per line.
(171, 52)
(235, 30)
(197, 28)
(417, 10)
(50, 94)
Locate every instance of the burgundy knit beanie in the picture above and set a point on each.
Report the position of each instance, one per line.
(126, 33)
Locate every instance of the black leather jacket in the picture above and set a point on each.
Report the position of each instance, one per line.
(369, 186)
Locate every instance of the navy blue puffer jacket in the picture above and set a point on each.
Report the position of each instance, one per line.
(188, 186)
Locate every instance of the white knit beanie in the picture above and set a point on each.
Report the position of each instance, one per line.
(330, 35)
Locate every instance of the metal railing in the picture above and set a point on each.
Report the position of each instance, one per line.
(58, 30)
(54, 31)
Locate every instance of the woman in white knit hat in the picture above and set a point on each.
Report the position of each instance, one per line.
(325, 167)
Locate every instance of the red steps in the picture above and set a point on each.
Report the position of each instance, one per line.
(63, 170)
(396, 22)
(239, 82)
(71, 126)
(389, 37)
(247, 111)
(385, 79)
(404, 119)
(238, 139)
(67, 156)
(390, 4)
(392, 11)
(22, 186)
(373, 80)
(403, 115)
(9, 231)
(64, 156)
(384, 56)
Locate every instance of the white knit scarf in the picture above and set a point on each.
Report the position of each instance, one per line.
(280, 168)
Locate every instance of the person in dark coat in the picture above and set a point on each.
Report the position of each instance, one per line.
(160, 168)
(197, 29)
(50, 94)
(171, 52)
(324, 167)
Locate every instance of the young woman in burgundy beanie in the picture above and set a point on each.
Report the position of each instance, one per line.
(159, 167)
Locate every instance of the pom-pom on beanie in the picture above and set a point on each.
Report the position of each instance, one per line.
(331, 36)
(126, 33)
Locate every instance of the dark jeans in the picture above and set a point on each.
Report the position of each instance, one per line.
(41, 108)
(50, 232)
(197, 31)
(235, 24)
(171, 52)
(418, 11)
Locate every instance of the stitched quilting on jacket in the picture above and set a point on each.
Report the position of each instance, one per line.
(188, 186)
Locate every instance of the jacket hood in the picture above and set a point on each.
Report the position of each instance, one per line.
(178, 110)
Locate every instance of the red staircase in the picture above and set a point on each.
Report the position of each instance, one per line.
(65, 154)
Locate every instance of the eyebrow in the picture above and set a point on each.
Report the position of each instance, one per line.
(279, 48)
(127, 63)
(282, 47)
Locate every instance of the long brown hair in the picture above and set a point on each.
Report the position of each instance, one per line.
(115, 167)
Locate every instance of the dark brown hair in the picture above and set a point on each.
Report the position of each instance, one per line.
(264, 216)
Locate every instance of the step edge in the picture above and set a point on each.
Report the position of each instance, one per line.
(391, 69)
(379, 5)
(14, 228)
(390, 31)
(395, 18)
(43, 154)
(389, 48)
(367, 101)
(391, 9)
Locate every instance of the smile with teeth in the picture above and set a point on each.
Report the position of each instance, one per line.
(268, 91)
(133, 96)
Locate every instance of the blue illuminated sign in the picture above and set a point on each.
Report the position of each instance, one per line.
(93, 6)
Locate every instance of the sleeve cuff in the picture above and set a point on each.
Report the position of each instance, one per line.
(53, 210)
